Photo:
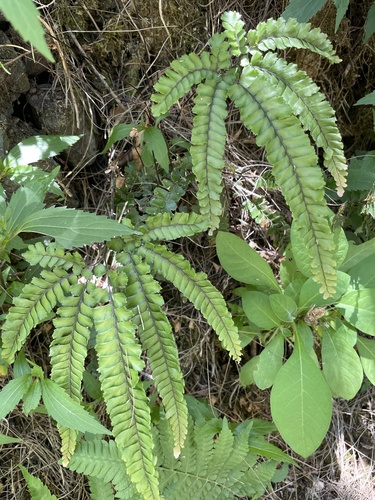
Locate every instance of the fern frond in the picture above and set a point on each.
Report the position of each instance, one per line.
(68, 351)
(52, 256)
(167, 227)
(208, 143)
(266, 114)
(33, 306)
(146, 302)
(234, 32)
(102, 460)
(185, 72)
(313, 110)
(119, 363)
(196, 288)
(100, 490)
(282, 34)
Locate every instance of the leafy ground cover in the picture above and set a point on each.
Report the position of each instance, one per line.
(342, 466)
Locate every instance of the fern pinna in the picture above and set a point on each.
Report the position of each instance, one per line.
(121, 308)
(280, 105)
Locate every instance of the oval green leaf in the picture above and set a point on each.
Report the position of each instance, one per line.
(284, 307)
(301, 402)
(269, 363)
(258, 309)
(366, 349)
(243, 263)
(358, 308)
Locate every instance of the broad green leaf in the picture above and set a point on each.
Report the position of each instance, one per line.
(361, 174)
(155, 143)
(119, 132)
(366, 348)
(367, 99)
(23, 175)
(342, 367)
(289, 272)
(71, 227)
(37, 148)
(21, 366)
(262, 447)
(310, 296)
(247, 371)
(8, 440)
(370, 27)
(12, 393)
(284, 307)
(38, 490)
(358, 308)
(357, 253)
(361, 275)
(306, 335)
(24, 17)
(258, 309)
(270, 361)
(342, 7)
(303, 10)
(67, 412)
(32, 397)
(243, 263)
(301, 402)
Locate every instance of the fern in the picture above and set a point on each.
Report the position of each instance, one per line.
(119, 363)
(209, 467)
(284, 104)
(195, 287)
(146, 303)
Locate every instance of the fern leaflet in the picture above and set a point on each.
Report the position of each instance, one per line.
(265, 113)
(119, 363)
(185, 72)
(313, 110)
(281, 34)
(33, 306)
(146, 302)
(166, 227)
(208, 143)
(196, 288)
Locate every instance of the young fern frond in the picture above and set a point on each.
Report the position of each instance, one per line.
(281, 34)
(312, 108)
(234, 32)
(187, 71)
(196, 288)
(33, 306)
(265, 113)
(208, 143)
(119, 363)
(146, 303)
(100, 490)
(170, 227)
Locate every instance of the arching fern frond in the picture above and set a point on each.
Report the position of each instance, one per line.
(33, 306)
(196, 288)
(185, 72)
(52, 256)
(119, 363)
(208, 142)
(146, 302)
(265, 113)
(313, 110)
(170, 227)
(281, 34)
(68, 351)
(102, 460)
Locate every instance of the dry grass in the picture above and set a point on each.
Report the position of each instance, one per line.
(108, 59)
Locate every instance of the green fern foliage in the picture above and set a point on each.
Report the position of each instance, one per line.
(146, 303)
(119, 363)
(215, 464)
(277, 102)
(196, 288)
